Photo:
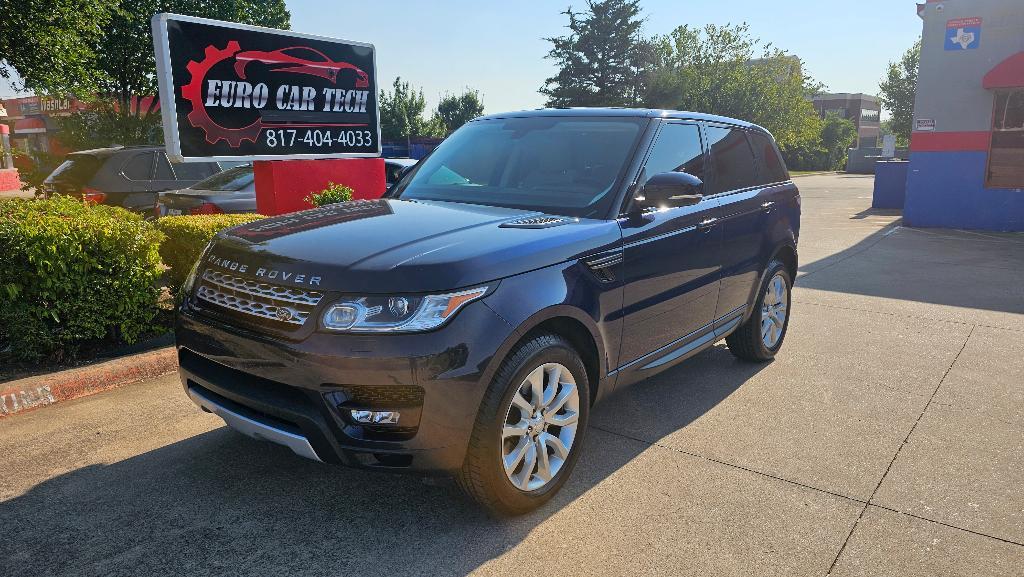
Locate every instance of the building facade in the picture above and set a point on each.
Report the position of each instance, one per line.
(863, 109)
(967, 146)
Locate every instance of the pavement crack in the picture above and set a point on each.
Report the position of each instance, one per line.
(927, 520)
(900, 449)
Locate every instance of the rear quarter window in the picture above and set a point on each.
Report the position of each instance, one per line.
(770, 164)
(76, 169)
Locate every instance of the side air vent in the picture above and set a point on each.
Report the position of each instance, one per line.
(603, 264)
(537, 222)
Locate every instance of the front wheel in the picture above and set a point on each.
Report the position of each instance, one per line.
(760, 337)
(529, 431)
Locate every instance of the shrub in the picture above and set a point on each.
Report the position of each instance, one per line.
(187, 236)
(73, 274)
(333, 194)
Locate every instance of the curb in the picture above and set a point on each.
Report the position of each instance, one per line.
(41, 390)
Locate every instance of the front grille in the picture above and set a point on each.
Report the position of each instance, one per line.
(287, 305)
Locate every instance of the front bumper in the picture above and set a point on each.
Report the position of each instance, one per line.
(299, 393)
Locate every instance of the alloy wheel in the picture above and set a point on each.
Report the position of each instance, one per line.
(774, 309)
(540, 426)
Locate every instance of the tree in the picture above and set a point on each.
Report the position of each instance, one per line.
(401, 113)
(724, 70)
(603, 60)
(49, 43)
(837, 136)
(898, 90)
(454, 111)
(103, 50)
(124, 53)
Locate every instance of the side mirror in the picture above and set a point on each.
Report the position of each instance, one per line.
(669, 189)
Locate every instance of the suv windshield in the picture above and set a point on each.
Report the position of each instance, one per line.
(558, 165)
(231, 180)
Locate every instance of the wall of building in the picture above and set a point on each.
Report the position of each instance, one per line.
(851, 106)
(953, 120)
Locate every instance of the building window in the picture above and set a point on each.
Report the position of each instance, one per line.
(1006, 160)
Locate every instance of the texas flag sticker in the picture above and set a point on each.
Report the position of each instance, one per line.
(963, 34)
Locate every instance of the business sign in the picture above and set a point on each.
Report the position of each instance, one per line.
(49, 104)
(963, 34)
(235, 92)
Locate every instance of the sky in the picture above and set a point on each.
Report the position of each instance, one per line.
(498, 48)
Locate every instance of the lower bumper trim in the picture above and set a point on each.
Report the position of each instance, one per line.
(255, 429)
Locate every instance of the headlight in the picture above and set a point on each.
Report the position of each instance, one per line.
(397, 314)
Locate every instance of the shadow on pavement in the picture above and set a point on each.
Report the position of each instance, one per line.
(222, 503)
(946, 267)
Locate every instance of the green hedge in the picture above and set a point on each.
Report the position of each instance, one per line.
(187, 236)
(73, 273)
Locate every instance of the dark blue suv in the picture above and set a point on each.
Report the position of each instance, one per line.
(467, 322)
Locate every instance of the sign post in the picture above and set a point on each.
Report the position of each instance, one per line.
(236, 92)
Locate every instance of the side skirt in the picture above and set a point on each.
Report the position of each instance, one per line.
(678, 350)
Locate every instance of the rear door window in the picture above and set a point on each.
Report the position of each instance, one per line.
(139, 167)
(732, 159)
(770, 166)
(231, 180)
(163, 168)
(678, 149)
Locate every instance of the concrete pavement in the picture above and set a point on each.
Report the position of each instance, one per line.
(886, 439)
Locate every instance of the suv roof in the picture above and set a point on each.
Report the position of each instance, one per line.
(633, 112)
(111, 150)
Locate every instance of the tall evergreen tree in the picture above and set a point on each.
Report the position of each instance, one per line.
(603, 59)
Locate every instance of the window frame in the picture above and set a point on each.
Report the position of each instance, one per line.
(988, 184)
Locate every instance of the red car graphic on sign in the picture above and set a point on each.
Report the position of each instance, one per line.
(299, 60)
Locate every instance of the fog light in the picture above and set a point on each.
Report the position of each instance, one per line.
(375, 417)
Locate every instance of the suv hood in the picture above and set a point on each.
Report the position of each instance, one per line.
(400, 246)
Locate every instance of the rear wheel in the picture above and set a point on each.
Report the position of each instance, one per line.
(761, 336)
(530, 428)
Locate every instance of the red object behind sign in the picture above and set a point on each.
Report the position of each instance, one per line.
(281, 185)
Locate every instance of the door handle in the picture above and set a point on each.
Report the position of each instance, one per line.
(706, 224)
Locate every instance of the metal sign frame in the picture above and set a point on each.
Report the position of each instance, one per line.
(168, 104)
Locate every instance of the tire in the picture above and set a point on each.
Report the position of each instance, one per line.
(747, 342)
(496, 434)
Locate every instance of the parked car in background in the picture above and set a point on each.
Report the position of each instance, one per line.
(129, 177)
(234, 191)
(394, 168)
(231, 191)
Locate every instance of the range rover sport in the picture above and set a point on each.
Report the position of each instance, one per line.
(467, 322)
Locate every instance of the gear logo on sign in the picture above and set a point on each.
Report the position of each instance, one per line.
(238, 93)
